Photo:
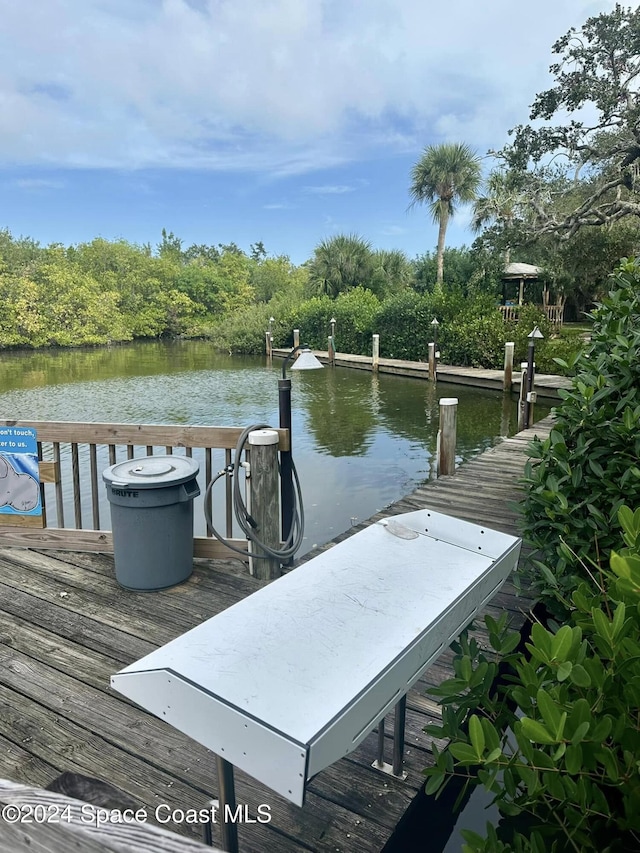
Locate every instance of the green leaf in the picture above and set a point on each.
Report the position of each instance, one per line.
(580, 732)
(535, 731)
(597, 469)
(608, 760)
(492, 756)
(564, 670)
(573, 758)
(434, 783)
(602, 730)
(464, 753)
(580, 677)
(561, 643)
(549, 710)
(476, 735)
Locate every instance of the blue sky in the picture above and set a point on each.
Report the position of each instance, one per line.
(285, 121)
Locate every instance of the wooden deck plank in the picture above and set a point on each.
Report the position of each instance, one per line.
(65, 627)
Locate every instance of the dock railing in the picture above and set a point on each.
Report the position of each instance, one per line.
(72, 457)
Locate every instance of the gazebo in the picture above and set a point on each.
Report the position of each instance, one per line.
(521, 273)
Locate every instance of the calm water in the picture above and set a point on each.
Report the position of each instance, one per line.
(360, 441)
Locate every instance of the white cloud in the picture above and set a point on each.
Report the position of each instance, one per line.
(392, 230)
(329, 189)
(37, 184)
(281, 86)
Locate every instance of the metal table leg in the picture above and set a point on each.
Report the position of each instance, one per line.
(227, 797)
(398, 736)
(394, 769)
(380, 761)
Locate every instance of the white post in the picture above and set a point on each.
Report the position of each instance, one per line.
(376, 353)
(296, 340)
(508, 366)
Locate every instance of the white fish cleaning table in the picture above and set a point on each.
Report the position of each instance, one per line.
(293, 677)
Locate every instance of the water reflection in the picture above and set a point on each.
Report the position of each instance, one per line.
(341, 411)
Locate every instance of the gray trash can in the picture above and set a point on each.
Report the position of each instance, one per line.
(152, 519)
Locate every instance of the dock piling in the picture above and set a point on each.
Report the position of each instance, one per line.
(331, 351)
(432, 362)
(523, 396)
(508, 366)
(264, 504)
(375, 360)
(447, 436)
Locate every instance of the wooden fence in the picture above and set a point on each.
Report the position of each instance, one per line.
(554, 313)
(72, 457)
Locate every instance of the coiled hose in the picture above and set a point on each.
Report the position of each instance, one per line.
(246, 522)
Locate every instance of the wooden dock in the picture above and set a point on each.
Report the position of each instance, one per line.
(546, 384)
(66, 626)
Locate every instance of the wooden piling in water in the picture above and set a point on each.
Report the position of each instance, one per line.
(296, 339)
(508, 365)
(447, 436)
(264, 505)
(523, 395)
(432, 362)
(331, 351)
(375, 358)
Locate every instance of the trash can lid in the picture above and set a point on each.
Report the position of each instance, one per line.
(149, 472)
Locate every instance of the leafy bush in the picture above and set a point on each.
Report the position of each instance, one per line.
(354, 311)
(477, 341)
(529, 316)
(404, 325)
(589, 466)
(566, 349)
(557, 741)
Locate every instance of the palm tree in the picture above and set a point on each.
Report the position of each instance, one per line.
(444, 176)
(340, 263)
(500, 204)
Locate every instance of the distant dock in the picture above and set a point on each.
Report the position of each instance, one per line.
(547, 384)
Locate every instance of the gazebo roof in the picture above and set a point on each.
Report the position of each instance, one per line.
(521, 271)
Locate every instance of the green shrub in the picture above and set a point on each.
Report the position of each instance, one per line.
(590, 464)
(355, 312)
(404, 325)
(568, 774)
(477, 341)
(565, 349)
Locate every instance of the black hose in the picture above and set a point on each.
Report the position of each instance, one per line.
(243, 517)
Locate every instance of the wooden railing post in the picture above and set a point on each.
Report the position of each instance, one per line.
(331, 351)
(264, 506)
(508, 366)
(432, 361)
(375, 359)
(446, 446)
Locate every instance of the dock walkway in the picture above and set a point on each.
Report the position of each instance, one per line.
(546, 384)
(66, 626)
